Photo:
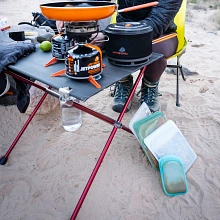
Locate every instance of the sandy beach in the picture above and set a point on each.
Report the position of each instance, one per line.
(48, 169)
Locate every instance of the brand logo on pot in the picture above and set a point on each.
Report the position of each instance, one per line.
(93, 67)
(121, 52)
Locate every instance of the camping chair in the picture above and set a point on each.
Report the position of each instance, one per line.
(179, 20)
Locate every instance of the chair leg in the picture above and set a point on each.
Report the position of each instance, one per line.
(180, 67)
(177, 86)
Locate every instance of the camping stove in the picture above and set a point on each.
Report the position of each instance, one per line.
(83, 59)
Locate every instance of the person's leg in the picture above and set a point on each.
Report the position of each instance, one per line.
(149, 87)
(167, 48)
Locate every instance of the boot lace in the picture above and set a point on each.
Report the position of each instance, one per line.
(122, 90)
(149, 94)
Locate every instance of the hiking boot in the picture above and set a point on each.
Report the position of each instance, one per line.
(149, 95)
(121, 93)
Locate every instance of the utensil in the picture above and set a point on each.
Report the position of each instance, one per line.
(85, 10)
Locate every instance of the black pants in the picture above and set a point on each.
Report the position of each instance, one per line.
(167, 48)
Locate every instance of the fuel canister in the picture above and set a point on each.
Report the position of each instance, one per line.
(60, 45)
(83, 60)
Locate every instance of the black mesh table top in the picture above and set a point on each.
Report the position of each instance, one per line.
(33, 67)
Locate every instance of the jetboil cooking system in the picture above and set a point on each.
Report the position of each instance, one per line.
(84, 60)
(129, 43)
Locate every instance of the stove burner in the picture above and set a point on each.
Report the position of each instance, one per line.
(81, 29)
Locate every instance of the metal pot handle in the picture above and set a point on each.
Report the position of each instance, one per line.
(100, 41)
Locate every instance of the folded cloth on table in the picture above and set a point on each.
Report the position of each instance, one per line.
(9, 54)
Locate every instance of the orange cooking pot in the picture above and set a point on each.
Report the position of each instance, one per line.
(85, 10)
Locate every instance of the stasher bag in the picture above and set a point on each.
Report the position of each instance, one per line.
(145, 127)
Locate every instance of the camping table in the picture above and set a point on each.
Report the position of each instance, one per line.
(33, 66)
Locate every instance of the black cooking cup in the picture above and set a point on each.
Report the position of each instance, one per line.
(17, 35)
(128, 41)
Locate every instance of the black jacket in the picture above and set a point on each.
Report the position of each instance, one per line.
(160, 17)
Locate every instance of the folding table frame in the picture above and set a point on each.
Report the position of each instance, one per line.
(33, 66)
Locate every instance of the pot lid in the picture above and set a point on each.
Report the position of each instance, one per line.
(128, 28)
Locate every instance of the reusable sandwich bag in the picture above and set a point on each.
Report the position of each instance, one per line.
(141, 113)
(169, 140)
(145, 127)
(173, 176)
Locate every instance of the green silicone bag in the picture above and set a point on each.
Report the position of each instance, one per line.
(173, 176)
(146, 126)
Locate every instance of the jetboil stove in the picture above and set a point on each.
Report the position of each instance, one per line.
(82, 59)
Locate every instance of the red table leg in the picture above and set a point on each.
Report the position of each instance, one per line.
(98, 164)
(4, 159)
